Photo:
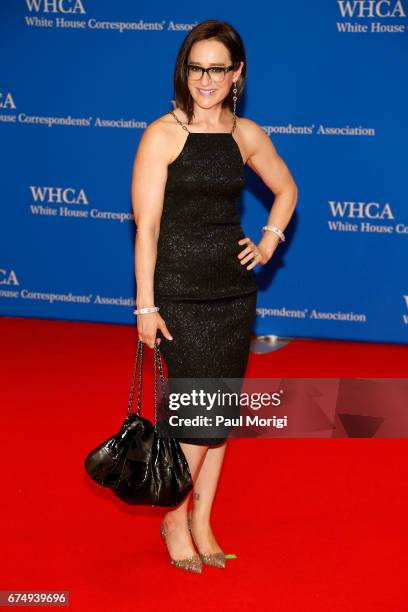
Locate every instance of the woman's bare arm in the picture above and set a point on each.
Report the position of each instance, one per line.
(265, 161)
(148, 184)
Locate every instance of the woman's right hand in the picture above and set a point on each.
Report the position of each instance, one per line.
(147, 326)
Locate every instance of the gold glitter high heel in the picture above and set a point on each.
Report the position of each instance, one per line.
(213, 559)
(190, 564)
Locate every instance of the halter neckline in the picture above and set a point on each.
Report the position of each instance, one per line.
(185, 127)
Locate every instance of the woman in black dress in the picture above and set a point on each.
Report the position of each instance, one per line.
(193, 262)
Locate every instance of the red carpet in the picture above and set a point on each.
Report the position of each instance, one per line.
(316, 524)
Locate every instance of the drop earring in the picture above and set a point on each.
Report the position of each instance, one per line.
(234, 91)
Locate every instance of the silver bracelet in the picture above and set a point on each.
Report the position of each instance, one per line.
(275, 230)
(146, 310)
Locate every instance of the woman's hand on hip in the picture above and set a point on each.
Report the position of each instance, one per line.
(147, 326)
(257, 253)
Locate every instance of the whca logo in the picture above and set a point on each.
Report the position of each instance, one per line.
(7, 101)
(8, 277)
(56, 6)
(361, 210)
(370, 8)
(58, 195)
(405, 316)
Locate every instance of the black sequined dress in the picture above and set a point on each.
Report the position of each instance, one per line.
(206, 297)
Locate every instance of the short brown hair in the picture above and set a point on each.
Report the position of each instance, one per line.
(225, 33)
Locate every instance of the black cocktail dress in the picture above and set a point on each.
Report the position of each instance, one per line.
(206, 296)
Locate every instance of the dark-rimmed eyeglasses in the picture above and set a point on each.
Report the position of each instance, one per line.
(216, 73)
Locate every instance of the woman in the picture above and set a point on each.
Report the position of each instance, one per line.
(192, 260)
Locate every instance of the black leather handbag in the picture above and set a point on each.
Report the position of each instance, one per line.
(141, 463)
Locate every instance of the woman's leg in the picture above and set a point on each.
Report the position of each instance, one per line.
(197, 351)
(178, 539)
(204, 490)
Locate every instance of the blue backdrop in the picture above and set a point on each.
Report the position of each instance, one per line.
(81, 80)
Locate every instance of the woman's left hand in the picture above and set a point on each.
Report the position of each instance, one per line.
(252, 251)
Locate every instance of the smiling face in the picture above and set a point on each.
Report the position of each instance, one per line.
(206, 92)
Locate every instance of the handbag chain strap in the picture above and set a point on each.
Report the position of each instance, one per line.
(158, 361)
(139, 360)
